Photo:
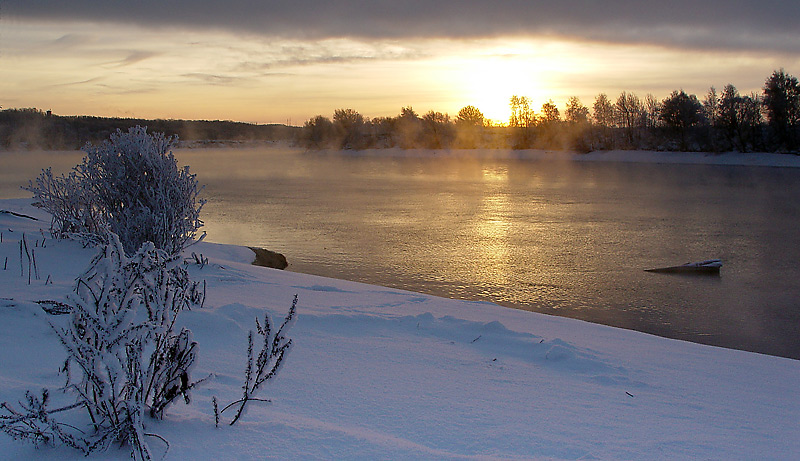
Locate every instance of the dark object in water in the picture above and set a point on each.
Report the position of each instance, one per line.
(267, 258)
(710, 266)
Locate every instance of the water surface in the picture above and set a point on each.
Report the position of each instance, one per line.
(559, 237)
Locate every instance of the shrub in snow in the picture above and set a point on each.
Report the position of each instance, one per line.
(125, 359)
(267, 364)
(129, 184)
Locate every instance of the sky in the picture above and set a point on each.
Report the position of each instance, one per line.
(284, 62)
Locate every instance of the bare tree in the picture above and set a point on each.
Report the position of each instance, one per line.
(711, 111)
(628, 115)
(578, 129)
(604, 121)
(318, 132)
(651, 112)
(550, 112)
(437, 130)
(522, 120)
(576, 112)
(350, 125)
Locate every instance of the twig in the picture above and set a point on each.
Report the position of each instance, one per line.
(19, 215)
(267, 363)
(216, 411)
(147, 434)
(54, 307)
(35, 267)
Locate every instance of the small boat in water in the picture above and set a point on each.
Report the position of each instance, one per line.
(709, 266)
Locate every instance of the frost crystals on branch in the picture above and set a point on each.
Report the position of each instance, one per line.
(267, 364)
(131, 185)
(129, 359)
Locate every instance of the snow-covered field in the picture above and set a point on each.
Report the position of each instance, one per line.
(378, 373)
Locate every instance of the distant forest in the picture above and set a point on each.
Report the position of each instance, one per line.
(722, 121)
(36, 129)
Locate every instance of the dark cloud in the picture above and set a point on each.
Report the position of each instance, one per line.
(720, 24)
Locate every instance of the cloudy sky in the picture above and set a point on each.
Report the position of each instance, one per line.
(285, 61)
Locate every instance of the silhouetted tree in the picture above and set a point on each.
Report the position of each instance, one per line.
(728, 118)
(437, 130)
(549, 127)
(469, 127)
(604, 121)
(522, 121)
(576, 112)
(651, 111)
(383, 129)
(550, 112)
(681, 111)
(318, 132)
(628, 116)
(711, 117)
(470, 115)
(751, 123)
(577, 132)
(711, 106)
(408, 128)
(351, 129)
(782, 103)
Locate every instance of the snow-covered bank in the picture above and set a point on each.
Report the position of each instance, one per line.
(621, 156)
(378, 373)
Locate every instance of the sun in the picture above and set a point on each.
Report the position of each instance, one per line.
(488, 82)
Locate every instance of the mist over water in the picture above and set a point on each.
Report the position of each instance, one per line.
(563, 238)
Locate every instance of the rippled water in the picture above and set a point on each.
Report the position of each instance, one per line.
(563, 238)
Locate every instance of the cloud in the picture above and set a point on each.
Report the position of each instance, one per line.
(712, 24)
(211, 79)
(134, 57)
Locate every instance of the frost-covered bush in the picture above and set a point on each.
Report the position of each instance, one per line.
(124, 358)
(131, 185)
(66, 197)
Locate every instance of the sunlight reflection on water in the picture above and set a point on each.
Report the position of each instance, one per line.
(563, 238)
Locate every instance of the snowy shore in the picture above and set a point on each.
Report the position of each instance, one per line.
(379, 373)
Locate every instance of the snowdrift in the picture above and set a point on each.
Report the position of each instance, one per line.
(378, 373)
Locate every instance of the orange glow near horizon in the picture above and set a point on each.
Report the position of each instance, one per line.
(124, 71)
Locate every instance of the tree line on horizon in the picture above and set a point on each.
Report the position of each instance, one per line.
(722, 121)
(31, 128)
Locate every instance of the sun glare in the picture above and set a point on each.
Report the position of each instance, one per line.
(489, 79)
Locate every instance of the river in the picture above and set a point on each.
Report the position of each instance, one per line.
(559, 237)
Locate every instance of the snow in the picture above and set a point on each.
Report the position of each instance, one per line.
(379, 373)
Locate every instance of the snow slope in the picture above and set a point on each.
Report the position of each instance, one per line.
(378, 373)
